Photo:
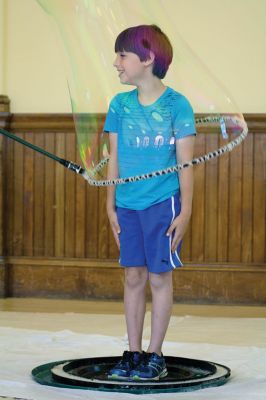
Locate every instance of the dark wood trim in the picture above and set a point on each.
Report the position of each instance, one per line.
(64, 122)
(48, 122)
(3, 278)
(256, 122)
(4, 104)
(5, 118)
(83, 279)
(110, 264)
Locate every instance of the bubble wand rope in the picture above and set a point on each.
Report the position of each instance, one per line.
(206, 157)
(89, 176)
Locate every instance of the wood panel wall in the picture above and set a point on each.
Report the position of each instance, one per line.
(50, 213)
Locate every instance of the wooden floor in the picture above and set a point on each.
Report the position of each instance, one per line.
(223, 325)
(112, 307)
(234, 336)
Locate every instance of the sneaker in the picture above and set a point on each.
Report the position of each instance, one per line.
(122, 369)
(152, 367)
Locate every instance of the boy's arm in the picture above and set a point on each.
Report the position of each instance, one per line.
(184, 152)
(112, 173)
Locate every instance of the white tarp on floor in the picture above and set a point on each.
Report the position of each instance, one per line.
(21, 350)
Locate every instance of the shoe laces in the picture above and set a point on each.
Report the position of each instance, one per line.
(148, 357)
(127, 358)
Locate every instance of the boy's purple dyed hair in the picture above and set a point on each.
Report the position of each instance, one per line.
(143, 38)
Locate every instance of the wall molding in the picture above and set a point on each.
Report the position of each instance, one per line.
(64, 122)
(93, 278)
(112, 263)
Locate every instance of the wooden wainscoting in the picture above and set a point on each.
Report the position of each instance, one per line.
(51, 217)
(103, 279)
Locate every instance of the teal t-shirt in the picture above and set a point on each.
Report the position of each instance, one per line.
(147, 142)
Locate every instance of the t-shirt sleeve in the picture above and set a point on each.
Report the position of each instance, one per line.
(184, 122)
(112, 117)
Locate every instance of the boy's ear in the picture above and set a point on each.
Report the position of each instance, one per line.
(150, 59)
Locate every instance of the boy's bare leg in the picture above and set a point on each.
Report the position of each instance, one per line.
(135, 304)
(162, 302)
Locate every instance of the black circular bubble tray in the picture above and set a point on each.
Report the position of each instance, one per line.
(184, 374)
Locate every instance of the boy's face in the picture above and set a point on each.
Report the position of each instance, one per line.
(131, 70)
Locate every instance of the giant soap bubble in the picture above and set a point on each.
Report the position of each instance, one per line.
(147, 133)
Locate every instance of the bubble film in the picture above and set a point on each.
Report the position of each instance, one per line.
(102, 65)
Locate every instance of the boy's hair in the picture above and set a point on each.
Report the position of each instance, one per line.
(144, 38)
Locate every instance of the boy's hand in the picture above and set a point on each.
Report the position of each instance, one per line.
(179, 225)
(114, 225)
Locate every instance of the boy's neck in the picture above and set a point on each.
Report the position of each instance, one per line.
(150, 92)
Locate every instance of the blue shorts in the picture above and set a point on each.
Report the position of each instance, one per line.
(143, 240)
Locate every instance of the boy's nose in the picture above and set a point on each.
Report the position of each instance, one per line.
(116, 62)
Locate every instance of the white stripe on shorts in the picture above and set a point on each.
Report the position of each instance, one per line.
(170, 237)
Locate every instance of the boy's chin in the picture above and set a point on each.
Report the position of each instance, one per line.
(127, 83)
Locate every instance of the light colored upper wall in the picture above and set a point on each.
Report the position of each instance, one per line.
(229, 36)
(2, 47)
(35, 82)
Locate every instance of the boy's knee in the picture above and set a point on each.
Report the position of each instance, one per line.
(158, 281)
(136, 277)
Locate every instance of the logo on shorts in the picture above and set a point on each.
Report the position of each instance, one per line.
(165, 261)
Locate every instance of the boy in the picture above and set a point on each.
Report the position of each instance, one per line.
(150, 128)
